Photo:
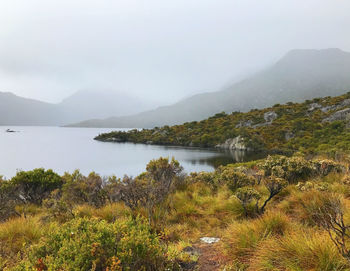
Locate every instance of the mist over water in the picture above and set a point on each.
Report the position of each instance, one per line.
(67, 149)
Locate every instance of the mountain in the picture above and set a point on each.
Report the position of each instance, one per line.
(299, 75)
(15, 110)
(88, 103)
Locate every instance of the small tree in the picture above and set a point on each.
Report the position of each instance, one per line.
(246, 196)
(152, 187)
(36, 185)
(79, 189)
(274, 185)
(235, 179)
(330, 216)
(8, 200)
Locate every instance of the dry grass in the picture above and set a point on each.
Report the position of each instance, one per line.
(16, 235)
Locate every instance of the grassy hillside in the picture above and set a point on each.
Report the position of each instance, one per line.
(317, 125)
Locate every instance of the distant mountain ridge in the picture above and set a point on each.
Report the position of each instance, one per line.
(15, 110)
(298, 76)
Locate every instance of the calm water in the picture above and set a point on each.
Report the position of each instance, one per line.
(67, 149)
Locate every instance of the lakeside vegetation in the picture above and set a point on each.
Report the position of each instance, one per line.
(278, 213)
(315, 126)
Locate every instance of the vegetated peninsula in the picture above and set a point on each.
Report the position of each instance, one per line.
(318, 125)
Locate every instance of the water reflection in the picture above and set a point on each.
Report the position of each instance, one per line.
(225, 157)
(67, 149)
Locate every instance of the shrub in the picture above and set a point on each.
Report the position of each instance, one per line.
(205, 177)
(330, 216)
(34, 186)
(291, 169)
(247, 195)
(153, 187)
(8, 200)
(325, 166)
(90, 244)
(79, 189)
(234, 179)
(274, 185)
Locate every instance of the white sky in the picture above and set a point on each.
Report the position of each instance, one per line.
(160, 50)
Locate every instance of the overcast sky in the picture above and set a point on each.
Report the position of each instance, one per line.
(158, 49)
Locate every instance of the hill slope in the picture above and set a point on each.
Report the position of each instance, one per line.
(299, 75)
(320, 125)
(15, 110)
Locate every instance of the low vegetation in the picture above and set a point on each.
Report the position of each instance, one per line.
(279, 213)
(317, 126)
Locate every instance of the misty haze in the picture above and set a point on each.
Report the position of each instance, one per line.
(174, 135)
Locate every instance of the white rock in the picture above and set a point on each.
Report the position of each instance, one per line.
(210, 240)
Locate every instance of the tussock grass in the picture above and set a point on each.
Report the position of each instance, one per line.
(17, 234)
(109, 212)
(297, 250)
(242, 238)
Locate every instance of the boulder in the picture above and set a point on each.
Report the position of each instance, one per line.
(289, 135)
(236, 143)
(339, 115)
(247, 123)
(210, 240)
(344, 103)
(270, 116)
(313, 107)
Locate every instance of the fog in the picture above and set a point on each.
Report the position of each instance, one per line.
(158, 50)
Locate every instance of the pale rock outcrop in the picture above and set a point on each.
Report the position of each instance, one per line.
(270, 116)
(210, 240)
(339, 115)
(314, 106)
(236, 143)
(247, 123)
(289, 135)
(325, 109)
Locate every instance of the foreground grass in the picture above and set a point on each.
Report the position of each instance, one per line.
(285, 237)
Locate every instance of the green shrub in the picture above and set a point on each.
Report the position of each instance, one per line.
(91, 244)
(79, 189)
(234, 179)
(289, 168)
(35, 185)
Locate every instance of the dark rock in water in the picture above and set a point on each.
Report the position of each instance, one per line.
(10, 131)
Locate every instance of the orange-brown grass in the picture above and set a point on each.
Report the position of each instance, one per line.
(297, 250)
(241, 239)
(109, 212)
(200, 210)
(17, 234)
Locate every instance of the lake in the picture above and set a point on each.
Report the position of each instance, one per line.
(67, 149)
